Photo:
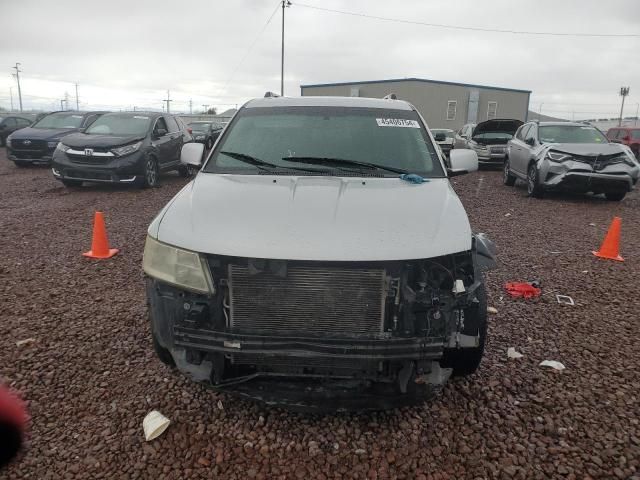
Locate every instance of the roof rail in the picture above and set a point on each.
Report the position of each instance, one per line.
(271, 95)
(391, 96)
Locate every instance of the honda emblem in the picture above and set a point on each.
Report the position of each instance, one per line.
(88, 152)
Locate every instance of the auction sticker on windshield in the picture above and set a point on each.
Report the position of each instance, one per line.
(397, 122)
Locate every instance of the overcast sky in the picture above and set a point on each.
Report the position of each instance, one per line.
(125, 53)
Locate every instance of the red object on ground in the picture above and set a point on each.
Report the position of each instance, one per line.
(522, 289)
(13, 424)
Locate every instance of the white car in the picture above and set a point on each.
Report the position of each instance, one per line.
(320, 259)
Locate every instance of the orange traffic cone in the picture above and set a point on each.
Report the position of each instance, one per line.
(100, 243)
(610, 247)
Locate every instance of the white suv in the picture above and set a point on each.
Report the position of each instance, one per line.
(320, 259)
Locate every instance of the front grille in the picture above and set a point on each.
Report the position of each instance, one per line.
(29, 145)
(308, 300)
(498, 149)
(88, 175)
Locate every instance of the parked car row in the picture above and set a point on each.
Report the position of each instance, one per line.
(96, 146)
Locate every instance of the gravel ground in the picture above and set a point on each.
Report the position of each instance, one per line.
(90, 376)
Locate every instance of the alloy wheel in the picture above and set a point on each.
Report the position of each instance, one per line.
(151, 172)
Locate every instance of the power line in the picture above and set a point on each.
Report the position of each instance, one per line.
(474, 29)
(264, 27)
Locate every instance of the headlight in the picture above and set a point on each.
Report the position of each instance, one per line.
(558, 157)
(53, 143)
(61, 147)
(127, 149)
(178, 267)
(8, 141)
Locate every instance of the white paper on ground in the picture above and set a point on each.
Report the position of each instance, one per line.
(154, 425)
(553, 364)
(512, 353)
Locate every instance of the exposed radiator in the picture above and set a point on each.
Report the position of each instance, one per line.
(308, 300)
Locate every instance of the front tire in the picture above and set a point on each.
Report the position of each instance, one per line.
(615, 196)
(465, 361)
(507, 178)
(534, 189)
(150, 176)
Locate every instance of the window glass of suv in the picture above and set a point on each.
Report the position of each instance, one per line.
(60, 120)
(23, 122)
(160, 125)
(635, 134)
(571, 134)
(522, 131)
(531, 133)
(120, 125)
(172, 124)
(199, 127)
(376, 136)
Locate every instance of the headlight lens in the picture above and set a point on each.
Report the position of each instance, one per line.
(61, 147)
(558, 157)
(53, 143)
(9, 141)
(178, 267)
(127, 149)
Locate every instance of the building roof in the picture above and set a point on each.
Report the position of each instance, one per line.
(424, 80)
(356, 102)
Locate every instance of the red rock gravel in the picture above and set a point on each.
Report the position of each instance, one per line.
(91, 376)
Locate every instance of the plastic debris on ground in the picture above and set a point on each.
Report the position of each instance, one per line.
(492, 310)
(512, 353)
(522, 289)
(565, 299)
(154, 425)
(26, 341)
(413, 178)
(553, 364)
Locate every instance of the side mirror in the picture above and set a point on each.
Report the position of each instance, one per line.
(440, 137)
(530, 141)
(461, 161)
(161, 132)
(191, 154)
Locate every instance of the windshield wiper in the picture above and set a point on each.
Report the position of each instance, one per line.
(342, 162)
(262, 165)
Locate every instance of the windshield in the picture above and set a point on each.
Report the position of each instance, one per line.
(120, 125)
(447, 133)
(386, 138)
(199, 127)
(571, 134)
(60, 120)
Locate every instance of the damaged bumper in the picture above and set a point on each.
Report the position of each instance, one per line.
(581, 177)
(315, 336)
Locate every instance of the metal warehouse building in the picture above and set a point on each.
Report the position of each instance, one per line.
(442, 104)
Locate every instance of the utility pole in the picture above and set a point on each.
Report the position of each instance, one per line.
(635, 121)
(206, 108)
(11, 95)
(61, 107)
(17, 68)
(285, 3)
(624, 91)
(66, 100)
(190, 106)
(540, 109)
(168, 101)
(77, 102)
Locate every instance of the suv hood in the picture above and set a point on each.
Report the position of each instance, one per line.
(498, 125)
(41, 133)
(588, 149)
(315, 218)
(82, 140)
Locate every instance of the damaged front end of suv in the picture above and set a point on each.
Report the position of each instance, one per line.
(320, 259)
(322, 335)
